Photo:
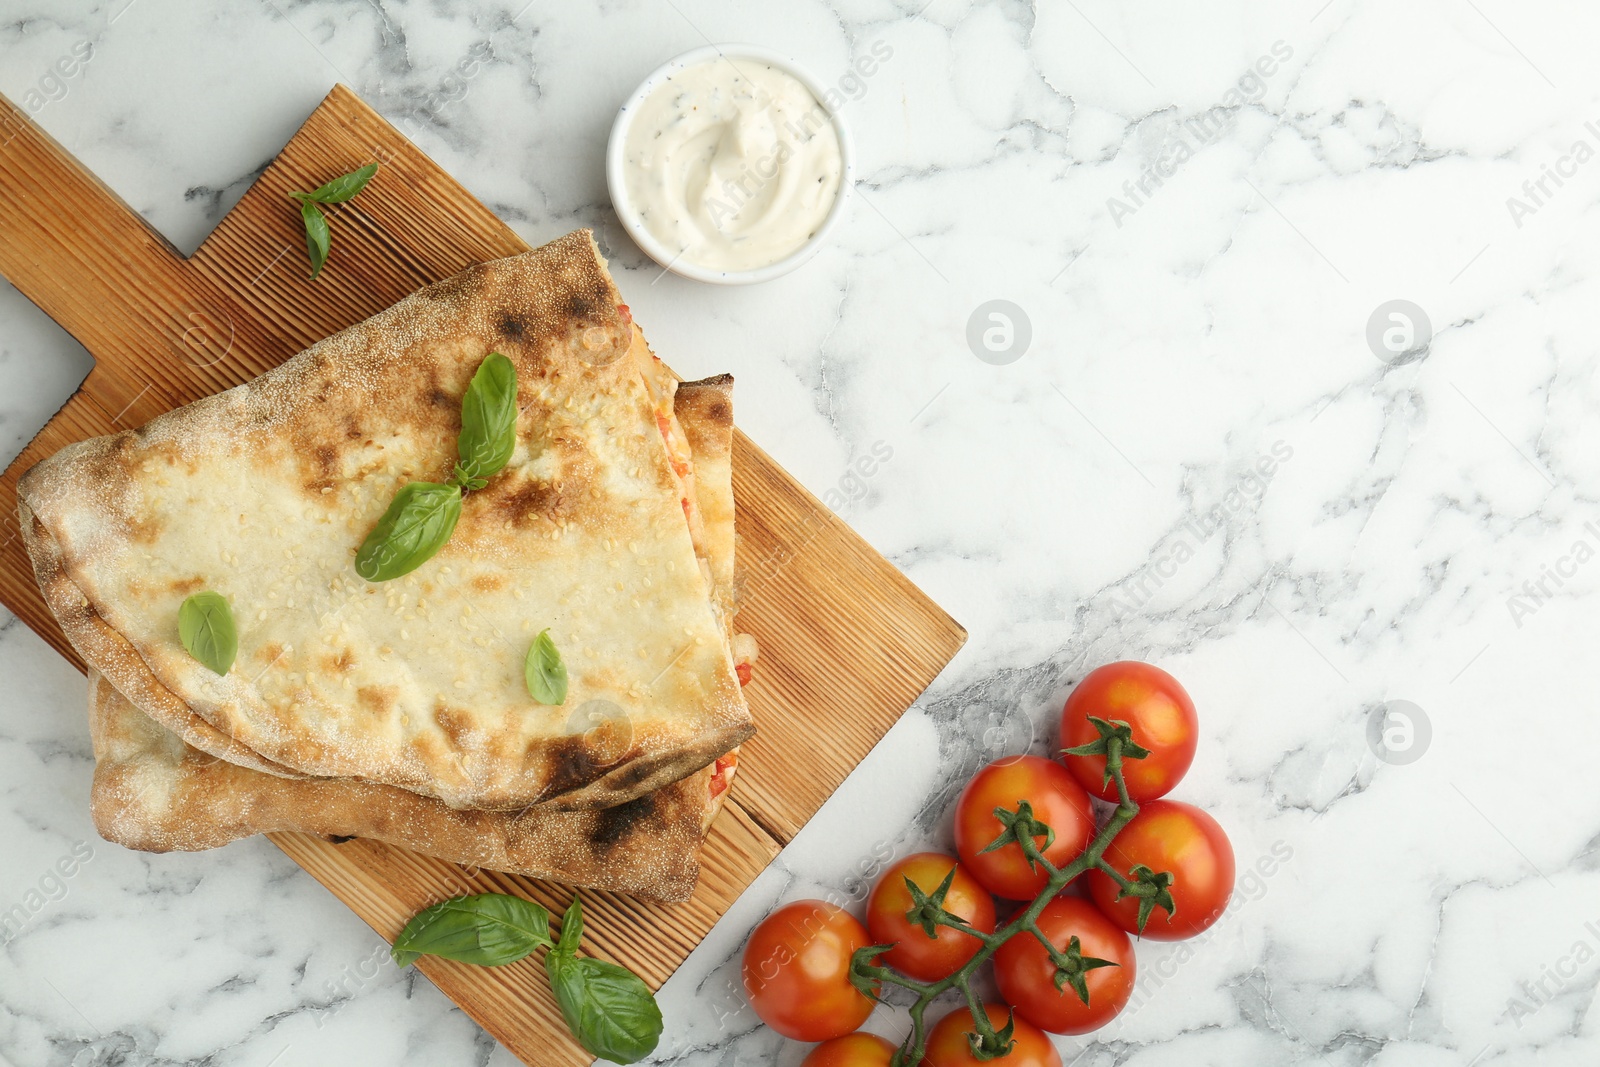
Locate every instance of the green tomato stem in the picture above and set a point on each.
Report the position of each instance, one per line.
(1115, 875)
(1045, 941)
(911, 1052)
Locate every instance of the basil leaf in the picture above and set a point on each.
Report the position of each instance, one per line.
(544, 672)
(488, 421)
(341, 188)
(207, 630)
(571, 928)
(417, 524)
(317, 236)
(337, 191)
(608, 1008)
(489, 929)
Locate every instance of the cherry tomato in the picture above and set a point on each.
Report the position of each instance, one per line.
(1160, 714)
(947, 1042)
(852, 1050)
(1058, 801)
(797, 971)
(1027, 977)
(915, 953)
(1168, 835)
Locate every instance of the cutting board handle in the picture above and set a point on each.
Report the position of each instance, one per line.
(95, 266)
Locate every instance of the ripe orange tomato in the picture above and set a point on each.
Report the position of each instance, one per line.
(1158, 711)
(1058, 801)
(916, 954)
(852, 1050)
(1168, 835)
(947, 1042)
(1026, 976)
(797, 971)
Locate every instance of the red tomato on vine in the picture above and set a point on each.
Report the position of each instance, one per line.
(948, 1047)
(1158, 711)
(1026, 975)
(797, 971)
(853, 1050)
(1057, 800)
(915, 954)
(1168, 836)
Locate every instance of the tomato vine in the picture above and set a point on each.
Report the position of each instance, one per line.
(1151, 888)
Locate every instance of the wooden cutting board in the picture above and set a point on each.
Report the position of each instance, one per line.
(847, 642)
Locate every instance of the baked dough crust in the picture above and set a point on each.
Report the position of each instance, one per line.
(264, 492)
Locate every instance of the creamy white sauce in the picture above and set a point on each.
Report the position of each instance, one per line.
(732, 164)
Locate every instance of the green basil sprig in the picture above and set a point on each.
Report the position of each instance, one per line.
(423, 515)
(488, 422)
(318, 238)
(341, 188)
(207, 630)
(544, 672)
(608, 1008)
(337, 191)
(419, 521)
(490, 930)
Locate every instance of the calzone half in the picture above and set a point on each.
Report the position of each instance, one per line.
(264, 493)
(154, 792)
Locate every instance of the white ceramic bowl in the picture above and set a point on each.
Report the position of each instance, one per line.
(671, 260)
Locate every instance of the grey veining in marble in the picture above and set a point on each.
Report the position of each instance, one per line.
(1202, 211)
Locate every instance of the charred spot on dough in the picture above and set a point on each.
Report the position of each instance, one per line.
(710, 400)
(321, 470)
(456, 724)
(615, 824)
(269, 652)
(513, 326)
(145, 531)
(327, 459)
(162, 451)
(571, 766)
(379, 700)
(185, 586)
(635, 773)
(489, 583)
(425, 749)
(526, 501)
(343, 663)
(586, 307)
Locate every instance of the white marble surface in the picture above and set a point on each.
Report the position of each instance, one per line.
(1173, 345)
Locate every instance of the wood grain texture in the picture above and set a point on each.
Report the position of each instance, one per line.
(848, 643)
(514, 1002)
